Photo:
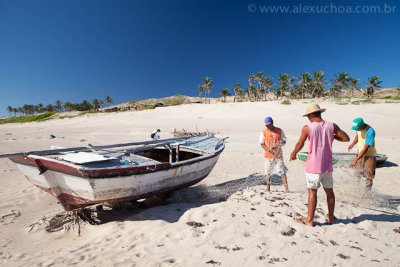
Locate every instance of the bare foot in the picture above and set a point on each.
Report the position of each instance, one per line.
(304, 221)
(286, 189)
(328, 220)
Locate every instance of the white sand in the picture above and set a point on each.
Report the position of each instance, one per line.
(245, 230)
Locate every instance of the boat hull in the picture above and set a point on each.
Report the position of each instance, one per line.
(76, 191)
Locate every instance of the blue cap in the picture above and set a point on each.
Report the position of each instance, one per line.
(267, 120)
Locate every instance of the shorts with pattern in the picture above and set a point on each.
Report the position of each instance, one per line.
(276, 166)
(314, 180)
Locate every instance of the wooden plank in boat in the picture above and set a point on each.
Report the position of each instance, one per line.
(84, 157)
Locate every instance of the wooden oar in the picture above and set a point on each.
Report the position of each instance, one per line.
(90, 148)
(44, 152)
(157, 142)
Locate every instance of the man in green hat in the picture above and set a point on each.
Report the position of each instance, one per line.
(366, 158)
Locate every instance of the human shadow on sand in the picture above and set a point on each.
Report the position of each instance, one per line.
(383, 217)
(172, 208)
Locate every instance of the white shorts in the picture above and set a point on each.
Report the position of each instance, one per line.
(275, 164)
(314, 180)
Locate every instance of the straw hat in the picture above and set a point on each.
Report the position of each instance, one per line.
(312, 108)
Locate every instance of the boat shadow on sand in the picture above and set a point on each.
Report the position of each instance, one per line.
(171, 207)
(387, 164)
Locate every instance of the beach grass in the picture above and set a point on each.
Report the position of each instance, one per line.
(397, 97)
(22, 119)
(286, 102)
(175, 100)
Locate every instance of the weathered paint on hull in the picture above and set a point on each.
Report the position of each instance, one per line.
(75, 192)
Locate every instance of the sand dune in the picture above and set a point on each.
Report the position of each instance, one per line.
(228, 219)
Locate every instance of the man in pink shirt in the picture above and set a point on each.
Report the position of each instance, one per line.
(320, 135)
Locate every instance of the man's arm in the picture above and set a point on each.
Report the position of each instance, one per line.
(283, 138)
(369, 141)
(299, 145)
(360, 155)
(355, 141)
(339, 134)
(261, 142)
(265, 148)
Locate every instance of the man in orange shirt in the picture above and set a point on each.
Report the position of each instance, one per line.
(271, 140)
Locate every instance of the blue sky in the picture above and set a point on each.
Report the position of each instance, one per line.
(84, 49)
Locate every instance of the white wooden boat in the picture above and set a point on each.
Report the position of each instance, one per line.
(84, 176)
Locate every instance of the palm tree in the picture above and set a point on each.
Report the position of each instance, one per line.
(35, 109)
(40, 108)
(318, 84)
(341, 83)
(85, 105)
(295, 90)
(208, 85)
(267, 85)
(24, 109)
(49, 108)
(58, 106)
(68, 106)
(225, 93)
(354, 85)
(238, 91)
(283, 85)
(259, 79)
(10, 110)
(252, 90)
(108, 100)
(261, 93)
(15, 110)
(96, 104)
(252, 79)
(305, 84)
(373, 84)
(202, 91)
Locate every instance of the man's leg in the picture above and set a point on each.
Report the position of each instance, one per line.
(369, 170)
(282, 169)
(312, 204)
(269, 167)
(268, 183)
(330, 199)
(284, 183)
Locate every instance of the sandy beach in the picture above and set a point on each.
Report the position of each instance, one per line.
(226, 220)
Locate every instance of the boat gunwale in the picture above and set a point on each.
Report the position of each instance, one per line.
(41, 163)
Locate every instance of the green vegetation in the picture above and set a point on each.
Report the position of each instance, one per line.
(175, 100)
(88, 112)
(85, 105)
(286, 102)
(40, 117)
(363, 101)
(397, 97)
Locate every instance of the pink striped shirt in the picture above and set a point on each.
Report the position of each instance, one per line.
(320, 138)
